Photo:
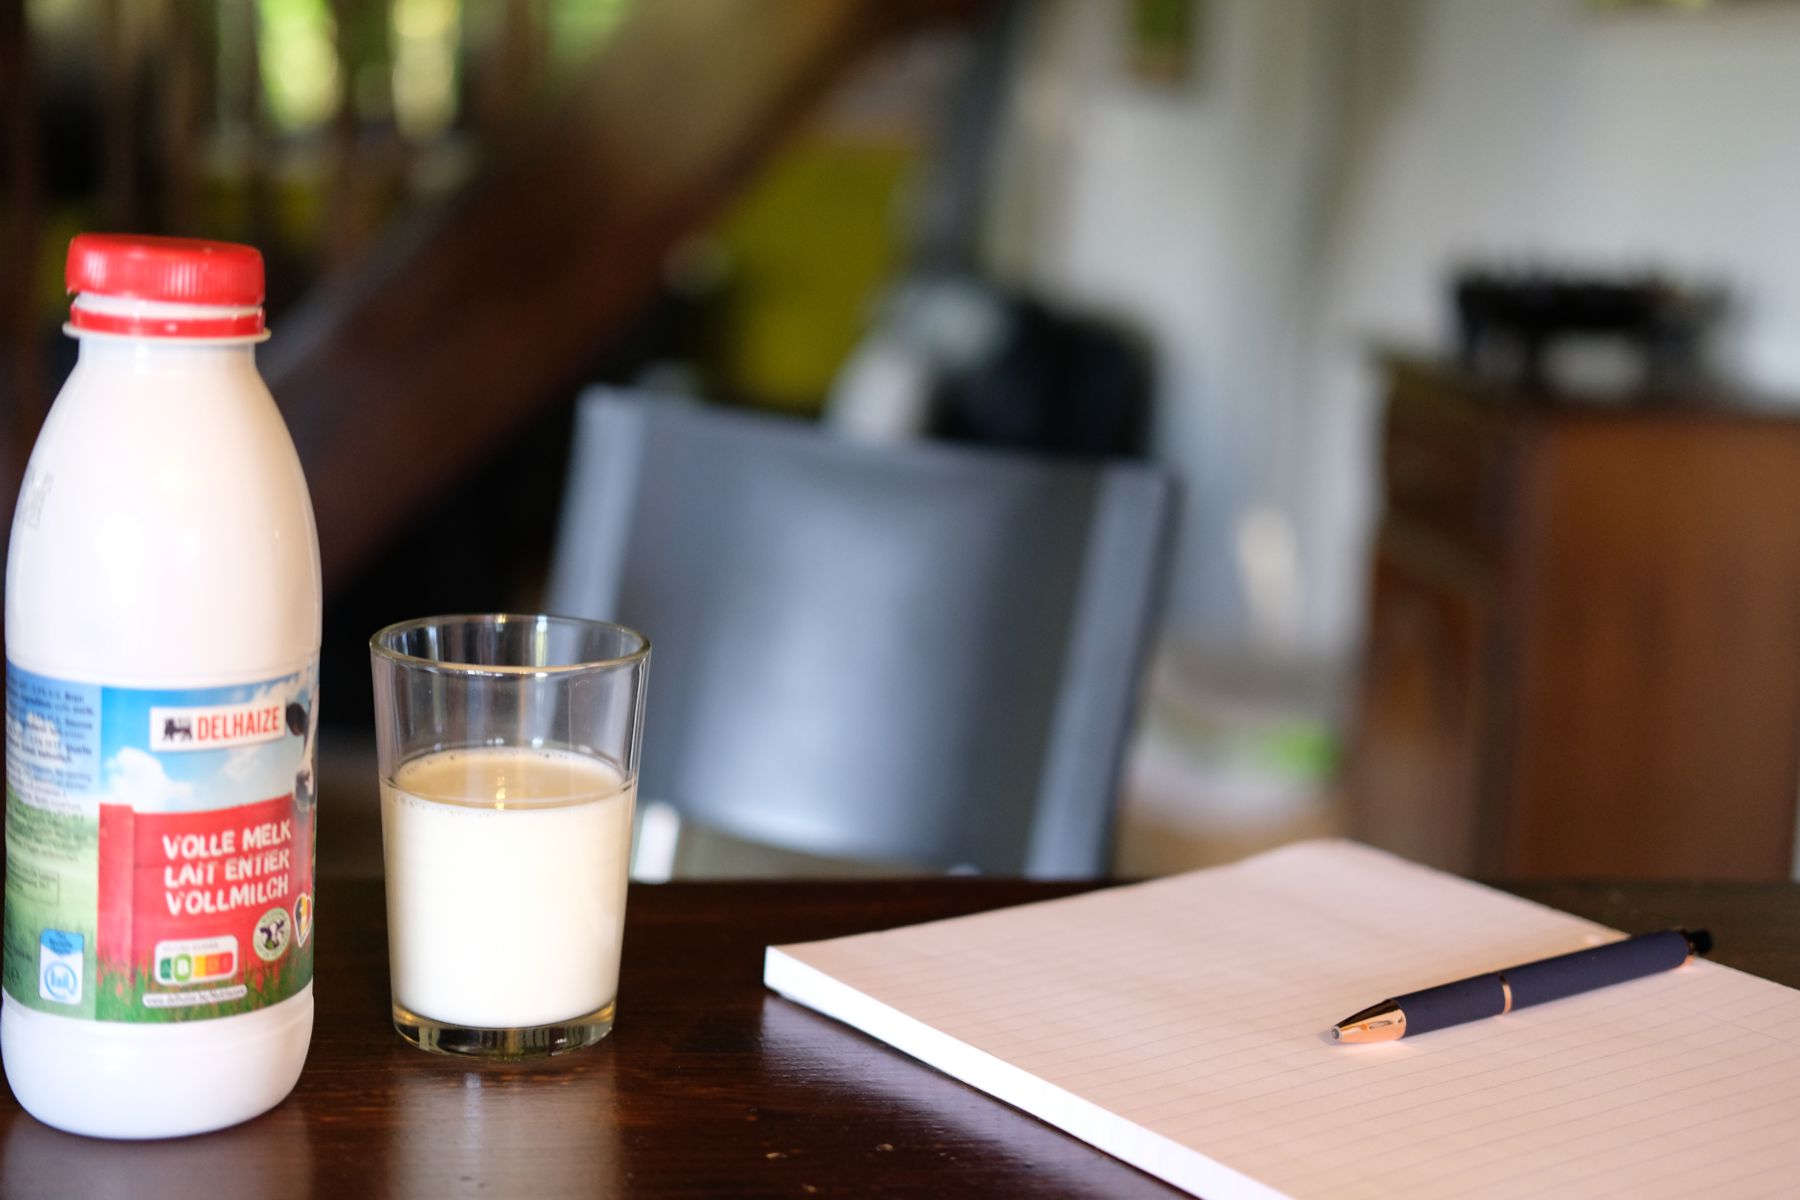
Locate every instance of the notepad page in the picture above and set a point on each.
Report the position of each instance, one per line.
(1182, 1026)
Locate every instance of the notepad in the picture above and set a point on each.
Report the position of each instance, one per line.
(1181, 1025)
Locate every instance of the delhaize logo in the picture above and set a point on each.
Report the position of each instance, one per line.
(215, 727)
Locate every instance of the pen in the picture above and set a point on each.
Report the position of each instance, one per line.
(1499, 992)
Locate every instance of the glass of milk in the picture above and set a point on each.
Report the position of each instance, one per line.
(509, 753)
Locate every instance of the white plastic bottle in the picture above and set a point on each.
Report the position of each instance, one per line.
(162, 634)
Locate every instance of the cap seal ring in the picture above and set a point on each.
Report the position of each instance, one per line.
(238, 325)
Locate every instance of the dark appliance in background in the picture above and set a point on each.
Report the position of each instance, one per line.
(1053, 381)
(1585, 335)
(952, 353)
(959, 358)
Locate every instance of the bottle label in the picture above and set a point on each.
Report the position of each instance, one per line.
(159, 846)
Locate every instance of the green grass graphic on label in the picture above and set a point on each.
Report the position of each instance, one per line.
(123, 992)
(52, 873)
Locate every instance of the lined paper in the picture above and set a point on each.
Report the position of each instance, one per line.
(1181, 1025)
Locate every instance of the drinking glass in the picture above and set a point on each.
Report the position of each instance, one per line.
(508, 750)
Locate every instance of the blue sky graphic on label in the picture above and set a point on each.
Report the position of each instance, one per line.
(132, 772)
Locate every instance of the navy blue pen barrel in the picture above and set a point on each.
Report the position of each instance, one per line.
(1596, 967)
(1539, 982)
(1452, 1004)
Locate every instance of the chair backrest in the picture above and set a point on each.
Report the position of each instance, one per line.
(924, 653)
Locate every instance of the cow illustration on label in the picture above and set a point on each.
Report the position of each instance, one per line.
(302, 722)
(272, 932)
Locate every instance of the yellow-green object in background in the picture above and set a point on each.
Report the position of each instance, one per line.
(810, 245)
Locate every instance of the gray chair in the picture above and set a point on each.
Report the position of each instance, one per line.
(924, 654)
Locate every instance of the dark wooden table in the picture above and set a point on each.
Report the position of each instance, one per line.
(709, 1086)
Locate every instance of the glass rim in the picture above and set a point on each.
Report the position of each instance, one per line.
(379, 648)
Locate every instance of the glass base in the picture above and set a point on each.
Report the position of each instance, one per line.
(533, 1041)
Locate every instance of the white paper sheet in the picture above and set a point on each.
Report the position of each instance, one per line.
(1181, 1025)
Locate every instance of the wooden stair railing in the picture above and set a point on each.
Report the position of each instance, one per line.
(21, 213)
(402, 374)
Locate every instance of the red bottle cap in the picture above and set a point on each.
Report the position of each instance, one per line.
(170, 271)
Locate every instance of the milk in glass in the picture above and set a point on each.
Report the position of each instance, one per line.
(506, 874)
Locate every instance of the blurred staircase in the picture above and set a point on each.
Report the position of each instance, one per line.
(429, 339)
(396, 377)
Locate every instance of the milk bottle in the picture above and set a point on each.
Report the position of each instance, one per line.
(162, 634)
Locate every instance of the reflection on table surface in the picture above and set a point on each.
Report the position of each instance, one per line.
(264, 1158)
(479, 1120)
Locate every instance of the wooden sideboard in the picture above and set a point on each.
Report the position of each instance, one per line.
(1584, 635)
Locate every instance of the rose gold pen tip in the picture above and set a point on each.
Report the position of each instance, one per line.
(1384, 1022)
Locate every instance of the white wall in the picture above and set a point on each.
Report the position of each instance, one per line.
(1541, 128)
(1175, 207)
(1312, 185)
